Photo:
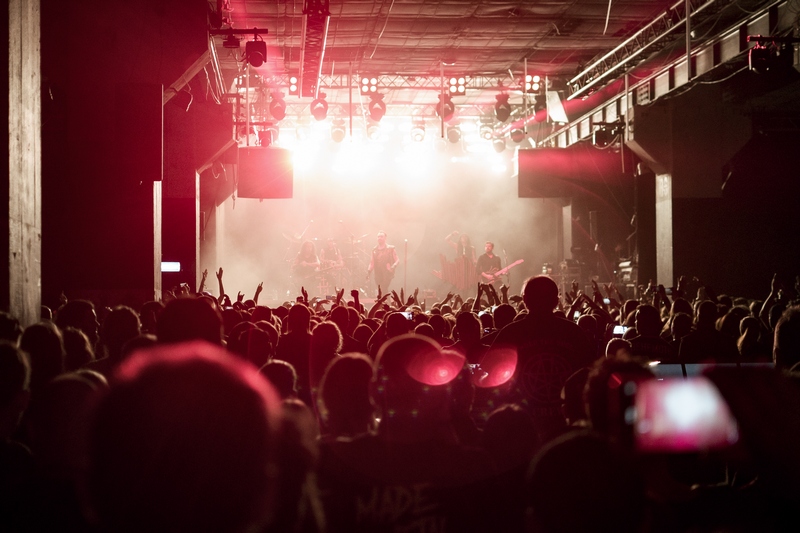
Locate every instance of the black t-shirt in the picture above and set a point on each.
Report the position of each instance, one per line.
(487, 264)
(549, 350)
(370, 485)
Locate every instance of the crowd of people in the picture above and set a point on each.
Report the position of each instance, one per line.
(481, 412)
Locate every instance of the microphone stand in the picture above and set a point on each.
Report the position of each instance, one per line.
(405, 266)
(508, 274)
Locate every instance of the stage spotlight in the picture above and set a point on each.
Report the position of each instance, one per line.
(255, 52)
(499, 145)
(533, 83)
(445, 108)
(486, 130)
(294, 89)
(418, 129)
(277, 106)
(376, 107)
(458, 85)
(319, 107)
(517, 135)
(338, 131)
(373, 131)
(502, 109)
(453, 134)
(369, 85)
(269, 135)
(303, 132)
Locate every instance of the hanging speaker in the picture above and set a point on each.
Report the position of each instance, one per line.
(265, 173)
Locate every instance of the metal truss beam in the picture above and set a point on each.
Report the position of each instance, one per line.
(652, 38)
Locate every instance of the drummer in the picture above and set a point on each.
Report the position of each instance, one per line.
(330, 256)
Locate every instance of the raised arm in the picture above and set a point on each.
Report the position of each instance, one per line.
(452, 239)
(202, 281)
(221, 287)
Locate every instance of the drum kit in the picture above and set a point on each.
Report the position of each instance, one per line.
(340, 266)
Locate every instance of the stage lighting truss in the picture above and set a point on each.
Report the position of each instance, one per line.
(502, 109)
(294, 88)
(277, 106)
(606, 133)
(376, 107)
(369, 84)
(255, 51)
(338, 130)
(445, 108)
(458, 85)
(319, 107)
(418, 129)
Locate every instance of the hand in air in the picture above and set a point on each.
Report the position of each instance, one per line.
(219, 274)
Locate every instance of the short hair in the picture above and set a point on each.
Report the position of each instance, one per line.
(10, 330)
(183, 440)
(283, 377)
(384, 233)
(540, 294)
(490, 242)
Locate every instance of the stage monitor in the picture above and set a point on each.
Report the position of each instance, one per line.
(265, 173)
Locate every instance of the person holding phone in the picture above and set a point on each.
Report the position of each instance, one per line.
(384, 261)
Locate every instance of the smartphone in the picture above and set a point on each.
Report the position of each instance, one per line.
(668, 291)
(607, 301)
(408, 314)
(682, 416)
(619, 330)
(576, 316)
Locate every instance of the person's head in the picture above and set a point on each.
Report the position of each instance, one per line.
(148, 314)
(330, 243)
(786, 347)
(464, 241)
(680, 305)
(509, 437)
(580, 482)
(341, 317)
(283, 377)
(78, 351)
(540, 294)
(299, 318)
(344, 403)
(504, 315)
(45, 346)
(468, 326)
(15, 377)
(681, 326)
(307, 249)
(381, 238)
(326, 339)
(618, 348)
(706, 315)
(489, 247)
(121, 325)
(411, 380)
(79, 314)
(183, 440)
(588, 324)
(397, 324)
(187, 319)
(648, 321)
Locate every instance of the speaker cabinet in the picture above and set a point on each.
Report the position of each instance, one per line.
(265, 173)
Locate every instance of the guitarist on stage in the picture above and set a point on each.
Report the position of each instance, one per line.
(488, 263)
(384, 260)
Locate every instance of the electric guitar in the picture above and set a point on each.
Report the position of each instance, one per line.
(493, 276)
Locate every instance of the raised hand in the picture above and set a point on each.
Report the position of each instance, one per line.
(219, 274)
(379, 292)
(353, 293)
(396, 299)
(304, 292)
(416, 293)
(239, 296)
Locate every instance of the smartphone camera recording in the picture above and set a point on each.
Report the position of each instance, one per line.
(682, 416)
